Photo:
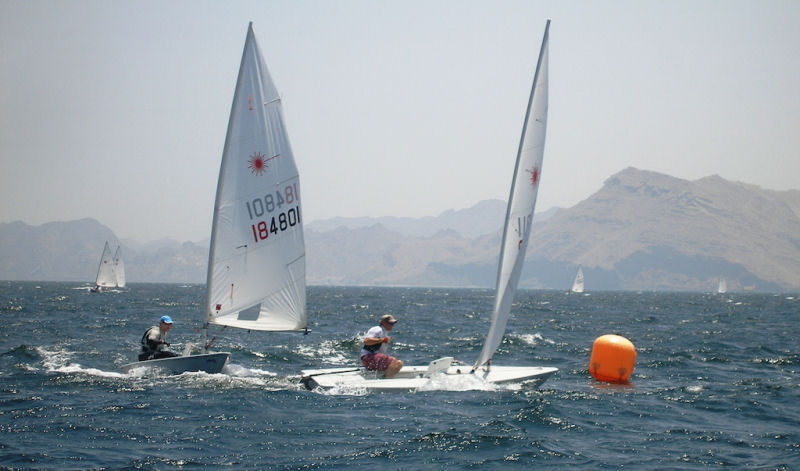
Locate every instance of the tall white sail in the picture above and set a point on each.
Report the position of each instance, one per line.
(105, 272)
(119, 268)
(256, 266)
(521, 203)
(577, 285)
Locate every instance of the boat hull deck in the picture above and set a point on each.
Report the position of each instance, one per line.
(412, 378)
(209, 363)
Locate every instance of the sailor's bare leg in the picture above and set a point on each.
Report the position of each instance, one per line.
(393, 368)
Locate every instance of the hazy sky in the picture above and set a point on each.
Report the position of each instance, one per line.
(118, 110)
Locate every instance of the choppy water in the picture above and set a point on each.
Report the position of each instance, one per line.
(716, 384)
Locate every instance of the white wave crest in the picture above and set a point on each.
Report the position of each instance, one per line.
(76, 368)
(233, 369)
(534, 339)
(60, 361)
(325, 351)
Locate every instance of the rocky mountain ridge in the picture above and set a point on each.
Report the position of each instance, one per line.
(641, 231)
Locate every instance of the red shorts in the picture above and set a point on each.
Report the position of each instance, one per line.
(377, 361)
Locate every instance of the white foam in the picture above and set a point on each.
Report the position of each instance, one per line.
(59, 361)
(468, 382)
(326, 351)
(242, 372)
(534, 339)
(75, 368)
(239, 377)
(343, 390)
(53, 359)
(142, 371)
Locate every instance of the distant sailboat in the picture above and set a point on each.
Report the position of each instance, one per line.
(111, 272)
(256, 277)
(722, 288)
(119, 268)
(577, 285)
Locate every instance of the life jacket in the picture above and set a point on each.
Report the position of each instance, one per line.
(147, 346)
(372, 348)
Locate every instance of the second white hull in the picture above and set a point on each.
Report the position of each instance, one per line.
(414, 378)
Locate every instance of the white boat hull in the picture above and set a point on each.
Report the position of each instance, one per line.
(209, 363)
(413, 378)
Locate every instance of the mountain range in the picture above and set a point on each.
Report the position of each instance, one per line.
(641, 231)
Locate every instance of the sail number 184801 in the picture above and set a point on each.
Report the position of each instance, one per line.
(272, 211)
(278, 223)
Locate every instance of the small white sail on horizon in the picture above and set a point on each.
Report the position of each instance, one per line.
(722, 288)
(111, 272)
(105, 272)
(577, 284)
(119, 268)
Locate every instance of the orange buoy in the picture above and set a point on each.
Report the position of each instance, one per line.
(612, 359)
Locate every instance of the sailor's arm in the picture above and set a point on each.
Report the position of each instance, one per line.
(375, 340)
(154, 340)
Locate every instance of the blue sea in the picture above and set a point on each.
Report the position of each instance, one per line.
(716, 384)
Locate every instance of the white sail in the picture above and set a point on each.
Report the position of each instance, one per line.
(119, 268)
(256, 266)
(521, 203)
(577, 285)
(105, 272)
(723, 286)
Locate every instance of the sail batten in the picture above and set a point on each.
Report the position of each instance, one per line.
(256, 269)
(521, 204)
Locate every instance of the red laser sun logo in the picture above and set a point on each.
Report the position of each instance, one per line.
(534, 175)
(257, 163)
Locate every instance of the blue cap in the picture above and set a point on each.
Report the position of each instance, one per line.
(166, 319)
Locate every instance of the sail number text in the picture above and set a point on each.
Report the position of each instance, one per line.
(523, 227)
(274, 212)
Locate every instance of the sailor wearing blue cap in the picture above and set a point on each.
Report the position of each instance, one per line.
(154, 341)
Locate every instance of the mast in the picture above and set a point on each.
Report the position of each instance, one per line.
(521, 204)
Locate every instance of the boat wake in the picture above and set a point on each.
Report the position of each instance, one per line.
(76, 368)
(59, 360)
(238, 377)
